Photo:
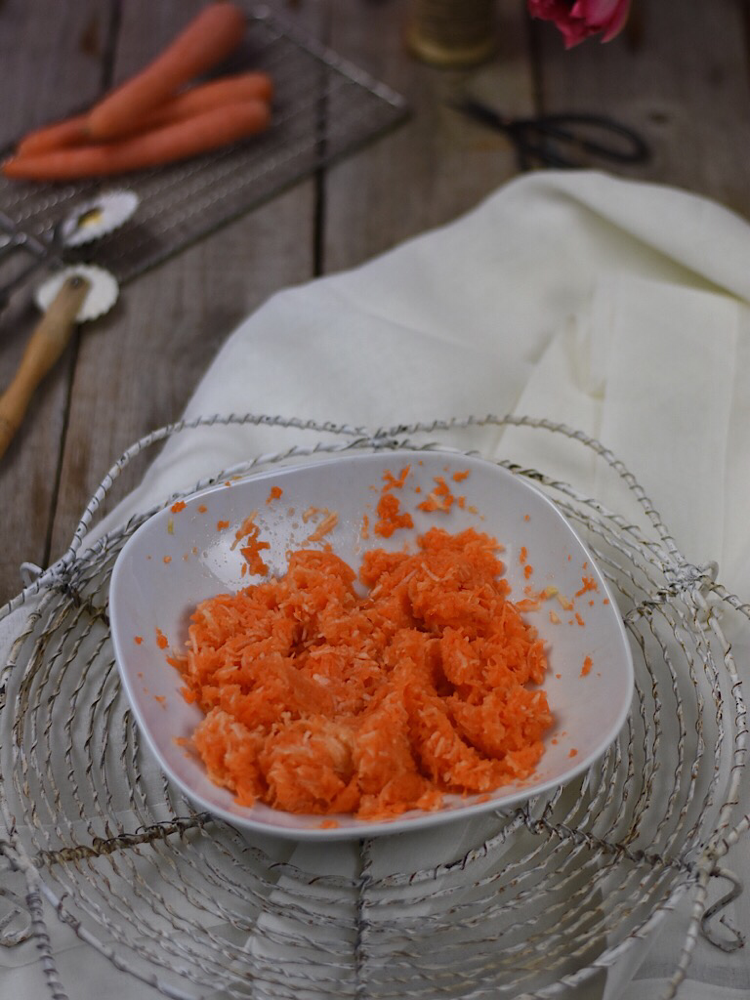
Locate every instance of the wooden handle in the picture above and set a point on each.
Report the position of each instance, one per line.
(47, 343)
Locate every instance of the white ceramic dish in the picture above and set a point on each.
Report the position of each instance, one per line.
(178, 558)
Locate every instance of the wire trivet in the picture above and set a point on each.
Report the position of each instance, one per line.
(323, 108)
(519, 904)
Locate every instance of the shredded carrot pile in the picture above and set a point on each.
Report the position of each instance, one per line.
(319, 700)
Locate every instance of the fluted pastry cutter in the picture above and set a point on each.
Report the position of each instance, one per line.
(87, 221)
(72, 295)
(75, 295)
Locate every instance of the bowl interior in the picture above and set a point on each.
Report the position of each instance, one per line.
(183, 555)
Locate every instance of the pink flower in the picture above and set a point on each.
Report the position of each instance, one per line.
(577, 19)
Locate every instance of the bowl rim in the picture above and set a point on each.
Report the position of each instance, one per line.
(413, 820)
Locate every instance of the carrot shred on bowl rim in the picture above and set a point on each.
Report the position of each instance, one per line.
(319, 700)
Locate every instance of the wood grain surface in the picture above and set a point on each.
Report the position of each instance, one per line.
(681, 81)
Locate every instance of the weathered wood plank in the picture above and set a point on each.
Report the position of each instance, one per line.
(138, 367)
(439, 164)
(681, 80)
(52, 57)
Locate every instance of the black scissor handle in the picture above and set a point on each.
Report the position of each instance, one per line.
(584, 134)
(563, 140)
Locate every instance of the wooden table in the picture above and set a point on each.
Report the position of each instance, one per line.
(681, 80)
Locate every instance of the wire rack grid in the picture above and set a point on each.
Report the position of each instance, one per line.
(324, 107)
(525, 903)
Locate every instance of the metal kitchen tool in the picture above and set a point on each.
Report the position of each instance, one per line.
(562, 140)
(73, 296)
(83, 222)
(17, 243)
(101, 296)
(324, 107)
(97, 217)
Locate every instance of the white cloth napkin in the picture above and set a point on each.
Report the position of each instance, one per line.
(621, 309)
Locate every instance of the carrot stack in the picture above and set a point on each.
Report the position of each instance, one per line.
(156, 117)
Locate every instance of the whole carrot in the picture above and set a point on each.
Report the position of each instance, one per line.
(205, 96)
(210, 37)
(67, 132)
(202, 97)
(209, 130)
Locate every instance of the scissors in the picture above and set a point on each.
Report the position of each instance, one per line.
(564, 140)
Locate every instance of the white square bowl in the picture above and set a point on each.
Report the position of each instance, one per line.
(178, 558)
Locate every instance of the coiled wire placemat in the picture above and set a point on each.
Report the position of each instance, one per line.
(520, 904)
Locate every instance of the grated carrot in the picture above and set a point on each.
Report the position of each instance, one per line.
(391, 517)
(319, 700)
(395, 482)
(589, 583)
(327, 525)
(249, 533)
(177, 506)
(274, 494)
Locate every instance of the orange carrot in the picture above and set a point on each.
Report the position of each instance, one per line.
(202, 97)
(369, 704)
(68, 132)
(178, 141)
(210, 37)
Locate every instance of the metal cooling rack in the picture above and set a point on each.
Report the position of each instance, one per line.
(521, 904)
(324, 107)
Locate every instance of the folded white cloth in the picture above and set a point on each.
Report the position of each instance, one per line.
(618, 308)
